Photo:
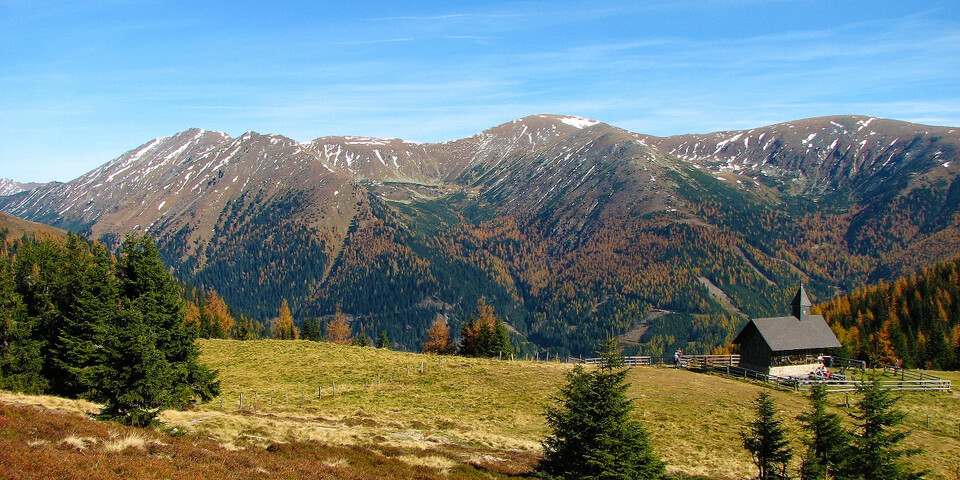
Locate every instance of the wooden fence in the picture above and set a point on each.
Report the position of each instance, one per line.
(909, 381)
(895, 385)
(905, 374)
(627, 361)
(702, 361)
(845, 363)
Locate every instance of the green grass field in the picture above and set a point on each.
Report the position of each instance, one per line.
(460, 417)
(695, 419)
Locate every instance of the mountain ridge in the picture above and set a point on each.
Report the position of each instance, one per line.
(572, 228)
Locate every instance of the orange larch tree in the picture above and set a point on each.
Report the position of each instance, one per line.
(338, 329)
(438, 338)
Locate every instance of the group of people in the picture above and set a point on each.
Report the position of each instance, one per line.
(676, 357)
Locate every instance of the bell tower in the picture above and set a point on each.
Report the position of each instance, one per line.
(801, 304)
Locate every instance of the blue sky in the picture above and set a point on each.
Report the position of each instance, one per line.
(82, 82)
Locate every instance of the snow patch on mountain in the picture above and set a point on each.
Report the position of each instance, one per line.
(578, 122)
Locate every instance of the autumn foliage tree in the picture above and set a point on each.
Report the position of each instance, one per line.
(210, 316)
(218, 314)
(338, 329)
(438, 338)
(283, 327)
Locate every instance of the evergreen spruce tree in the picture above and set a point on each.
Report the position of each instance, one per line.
(362, 340)
(21, 363)
(312, 330)
(247, 329)
(592, 435)
(485, 335)
(827, 440)
(766, 440)
(85, 313)
(384, 341)
(135, 376)
(875, 452)
(150, 358)
(69, 293)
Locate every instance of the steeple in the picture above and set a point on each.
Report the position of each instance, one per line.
(801, 304)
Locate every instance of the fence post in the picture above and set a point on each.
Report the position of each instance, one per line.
(421, 366)
(241, 401)
(320, 392)
(334, 389)
(378, 379)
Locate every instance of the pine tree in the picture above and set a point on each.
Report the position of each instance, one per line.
(485, 335)
(827, 442)
(149, 360)
(767, 441)
(21, 362)
(135, 376)
(875, 453)
(87, 313)
(361, 340)
(247, 329)
(311, 330)
(592, 435)
(384, 341)
(438, 338)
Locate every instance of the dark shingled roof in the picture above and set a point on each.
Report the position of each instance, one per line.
(790, 333)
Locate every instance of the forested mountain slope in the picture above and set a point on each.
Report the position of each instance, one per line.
(912, 321)
(572, 229)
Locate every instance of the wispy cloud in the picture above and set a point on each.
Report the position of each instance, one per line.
(420, 17)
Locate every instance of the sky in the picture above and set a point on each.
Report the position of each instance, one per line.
(82, 82)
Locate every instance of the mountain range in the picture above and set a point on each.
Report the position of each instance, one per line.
(573, 229)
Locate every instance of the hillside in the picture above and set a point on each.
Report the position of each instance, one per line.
(13, 229)
(460, 418)
(574, 230)
(913, 321)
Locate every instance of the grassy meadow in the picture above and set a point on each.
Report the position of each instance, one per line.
(459, 418)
